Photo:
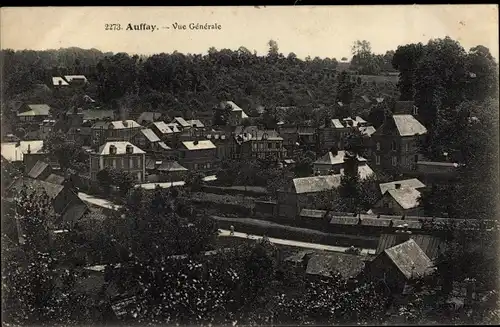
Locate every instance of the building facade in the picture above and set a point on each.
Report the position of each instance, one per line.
(119, 155)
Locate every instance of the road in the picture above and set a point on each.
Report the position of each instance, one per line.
(226, 233)
(98, 201)
(305, 245)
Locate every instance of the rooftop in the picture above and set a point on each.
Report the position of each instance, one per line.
(162, 127)
(411, 183)
(36, 110)
(406, 197)
(150, 135)
(334, 159)
(148, 117)
(121, 147)
(183, 123)
(14, 151)
(405, 125)
(56, 81)
(315, 184)
(171, 166)
(198, 145)
(410, 259)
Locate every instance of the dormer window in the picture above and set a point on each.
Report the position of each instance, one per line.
(112, 149)
(129, 149)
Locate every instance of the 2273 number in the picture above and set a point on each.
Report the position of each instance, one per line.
(112, 27)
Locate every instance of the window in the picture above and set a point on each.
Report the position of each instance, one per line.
(270, 145)
(407, 147)
(208, 165)
(378, 146)
(394, 160)
(131, 163)
(393, 145)
(278, 145)
(415, 110)
(254, 146)
(195, 166)
(139, 162)
(114, 162)
(390, 204)
(377, 160)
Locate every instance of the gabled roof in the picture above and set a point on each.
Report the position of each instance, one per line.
(56, 81)
(403, 125)
(121, 147)
(149, 117)
(52, 190)
(117, 124)
(38, 169)
(174, 127)
(335, 159)
(431, 245)
(411, 183)
(36, 110)
(75, 211)
(315, 184)
(367, 130)
(70, 78)
(181, 122)
(11, 152)
(312, 213)
(171, 166)
(410, 259)
(347, 265)
(162, 127)
(150, 135)
(364, 171)
(200, 145)
(406, 197)
(55, 179)
(195, 122)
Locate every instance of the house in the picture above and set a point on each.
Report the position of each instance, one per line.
(46, 127)
(400, 200)
(396, 144)
(118, 130)
(41, 170)
(171, 171)
(67, 206)
(181, 122)
(298, 193)
(411, 183)
(258, 144)
(59, 82)
(321, 266)
(400, 265)
(236, 114)
(120, 155)
(148, 117)
(333, 163)
(15, 151)
(198, 155)
(148, 141)
(334, 132)
(33, 112)
(76, 80)
(223, 141)
(162, 130)
(431, 245)
(195, 123)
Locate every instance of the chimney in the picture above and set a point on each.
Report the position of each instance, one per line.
(195, 142)
(29, 149)
(125, 123)
(398, 186)
(350, 164)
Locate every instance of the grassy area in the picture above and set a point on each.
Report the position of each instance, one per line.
(245, 201)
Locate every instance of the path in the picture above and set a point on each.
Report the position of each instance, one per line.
(305, 245)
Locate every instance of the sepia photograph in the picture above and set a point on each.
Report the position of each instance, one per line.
(250, 165)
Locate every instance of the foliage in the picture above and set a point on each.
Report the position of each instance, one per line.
(304, 164)
(122, 179)
(68, 154)
(194, 181)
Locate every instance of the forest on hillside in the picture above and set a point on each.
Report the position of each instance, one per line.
(185, 84)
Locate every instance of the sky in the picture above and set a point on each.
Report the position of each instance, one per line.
(323, 31)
